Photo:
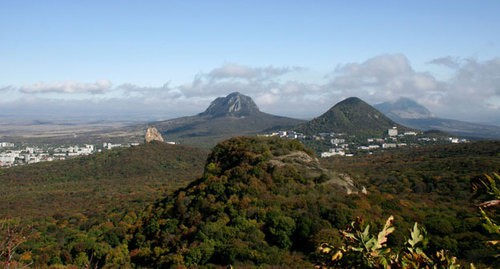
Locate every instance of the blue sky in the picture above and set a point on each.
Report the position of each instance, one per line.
(163, 59)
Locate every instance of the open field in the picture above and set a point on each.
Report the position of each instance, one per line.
(34, 131)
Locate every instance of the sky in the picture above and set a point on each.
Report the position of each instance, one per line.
(153, 60)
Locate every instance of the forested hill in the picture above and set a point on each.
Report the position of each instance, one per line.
(352, 116)
(256, 206)
(100, 182)
(256, 202)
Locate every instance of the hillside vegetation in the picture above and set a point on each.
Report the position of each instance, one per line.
(352, 116)
(268, 202)
(251, 206)
(431, 186)
(113, 179)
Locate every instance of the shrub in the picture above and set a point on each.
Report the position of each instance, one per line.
(361, 249)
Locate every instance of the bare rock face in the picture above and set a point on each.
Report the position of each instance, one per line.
(310, 167)
(233, 105)
(152, 134)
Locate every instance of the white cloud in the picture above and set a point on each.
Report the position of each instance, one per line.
(233, 71)
(266, 85)
(234, 77)
(163, 92)
(267, 99)
(448, 61)
(7, 89)
(238, 71)
(471, 93)
(68, 87)
(474, 91)
(383, 77)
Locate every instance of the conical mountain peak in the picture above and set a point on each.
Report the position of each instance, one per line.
(350, 101)
(234, 105)
(404, 108)
(353, 116)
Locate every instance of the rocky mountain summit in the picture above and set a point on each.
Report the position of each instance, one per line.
(233, 115)
(233, 105)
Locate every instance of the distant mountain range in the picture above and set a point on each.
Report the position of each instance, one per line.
(238, 115)
(404, 108)
(408, 112)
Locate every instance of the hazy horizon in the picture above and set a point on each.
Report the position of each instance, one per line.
(160, 60)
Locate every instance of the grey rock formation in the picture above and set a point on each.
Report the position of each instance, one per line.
(234, 105)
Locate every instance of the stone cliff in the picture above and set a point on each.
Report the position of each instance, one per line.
(152, 134)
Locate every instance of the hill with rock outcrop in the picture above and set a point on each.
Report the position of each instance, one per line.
(258, 199)
(264, 202)
(255, 203)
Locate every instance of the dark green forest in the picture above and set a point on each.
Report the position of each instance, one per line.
(254, 202)
(118, 179)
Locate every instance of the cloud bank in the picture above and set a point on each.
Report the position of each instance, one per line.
(68, 87)
(383, 78)
(472, 91)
